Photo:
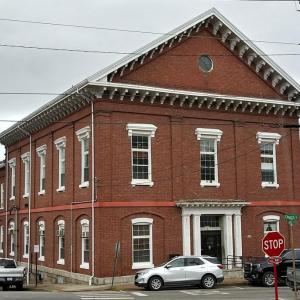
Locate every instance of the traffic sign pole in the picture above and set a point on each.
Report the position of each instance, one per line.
(275, 281)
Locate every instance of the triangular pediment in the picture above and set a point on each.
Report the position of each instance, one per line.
(269, 77)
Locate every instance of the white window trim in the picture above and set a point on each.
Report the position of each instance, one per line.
(60, 144)
(1, 238)
(41, 152)
(25, 224)
(2, 196)
(12, 164)
(41, 225)
(84, 265)
(11, 230)
(83, 134)
(271, 218)
(215, 134)
(144, 130)
(143, 221)
(60, 261)
(26, 161)
(270, 137)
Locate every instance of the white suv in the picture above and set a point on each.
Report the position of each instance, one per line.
(203, 271)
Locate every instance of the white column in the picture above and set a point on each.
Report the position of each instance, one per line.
(186, 234)
(197, 234)
(228, 238)
(237, 236)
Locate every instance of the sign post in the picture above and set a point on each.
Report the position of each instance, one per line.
(291, 219)
(273, 244)
(36, 250)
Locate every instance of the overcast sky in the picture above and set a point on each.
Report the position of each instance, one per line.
(29, 70)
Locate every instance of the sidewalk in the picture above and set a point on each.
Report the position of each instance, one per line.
(124, 287)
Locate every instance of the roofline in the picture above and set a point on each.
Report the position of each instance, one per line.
(155, 43)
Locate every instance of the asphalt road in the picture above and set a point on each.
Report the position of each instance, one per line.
(232, 292)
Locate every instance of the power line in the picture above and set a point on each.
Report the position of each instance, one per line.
(131, 53)
(132, 30)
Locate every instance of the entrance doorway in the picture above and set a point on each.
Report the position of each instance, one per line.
(211, 243)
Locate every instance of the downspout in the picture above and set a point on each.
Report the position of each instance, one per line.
(29, 203)
(93, 194)
(6, 201)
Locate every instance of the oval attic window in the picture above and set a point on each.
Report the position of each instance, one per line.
(205, 63)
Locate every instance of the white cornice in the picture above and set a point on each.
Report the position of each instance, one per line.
(211, 204)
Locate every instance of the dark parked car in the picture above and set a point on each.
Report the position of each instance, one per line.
(260, 271)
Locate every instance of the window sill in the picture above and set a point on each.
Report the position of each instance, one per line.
(213, 184)
(2, 207)
(41, 193)
(61, 189)
(142, 265)
(1, 251)
(85, 266)
(12, 198)
(269, 185)
(12, 254)
(26, 195)
(25, 256)
(85, 184)
(61, 262)
(42, 258)
(142, 182)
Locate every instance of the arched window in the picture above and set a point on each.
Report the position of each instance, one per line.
(85, 244)
(61, 241)
(271, 223)
(11, 233)
(41, 239)
(142, 243)
(1, 238)
(25, 239)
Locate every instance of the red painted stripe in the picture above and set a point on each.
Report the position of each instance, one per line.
(275, 203)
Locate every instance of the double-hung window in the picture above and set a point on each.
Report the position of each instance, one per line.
(1, 195)
(26, 161)
(83, 136)
(1, 239)
(141, 164)
(142, 256)
(11, 232)
(268, 142)
(12, 166)
(61, 147)
(41, 235)
(41, 152)
(61, 241)
(85, 244)
(26, 239)
(209, 139)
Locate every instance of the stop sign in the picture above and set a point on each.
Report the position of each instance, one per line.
(273, 243)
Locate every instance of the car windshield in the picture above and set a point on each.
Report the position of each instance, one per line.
(7, 263)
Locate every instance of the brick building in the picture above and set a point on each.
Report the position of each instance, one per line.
(177, 149)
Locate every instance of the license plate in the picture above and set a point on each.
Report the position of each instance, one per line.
(9, 279)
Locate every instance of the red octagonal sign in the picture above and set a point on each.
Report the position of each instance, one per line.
(273, 243)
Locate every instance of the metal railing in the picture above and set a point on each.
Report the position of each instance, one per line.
(232, 261)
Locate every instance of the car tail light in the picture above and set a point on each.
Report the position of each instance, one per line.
(220, 266)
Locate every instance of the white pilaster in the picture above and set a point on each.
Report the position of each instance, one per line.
(196, 234)
(238, 235)
(186, 234)
(228, 238)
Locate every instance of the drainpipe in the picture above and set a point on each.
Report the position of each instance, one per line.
(29, 203)
(93, 193)
(6, 201)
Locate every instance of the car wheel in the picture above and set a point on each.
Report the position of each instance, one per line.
(208, 281)
(155, 283)
(268, 279)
